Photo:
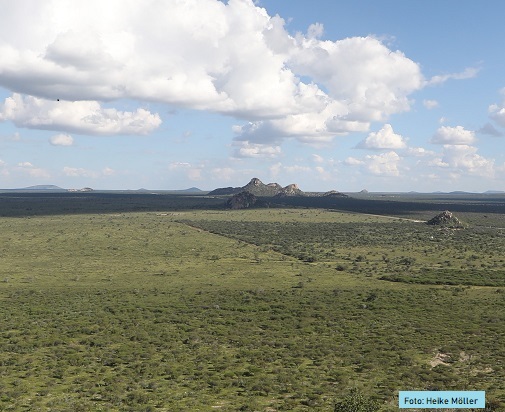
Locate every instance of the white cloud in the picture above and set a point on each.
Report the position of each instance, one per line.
(315, 31)
(438, 162)
(79, 117)
(468, 73)
(385, 138)
(318, 159)
(418, 152)
(361, 71)
(33, 171)
(231, 58)
(497, 113)
(453, 136)
(385, 164)
(61, 140)
(464, 158)
(246, 149)
(430, 104)
(352, 161)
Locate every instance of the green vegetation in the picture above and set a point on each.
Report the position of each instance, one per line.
(356, 402)
(395, 250)
(269, 309)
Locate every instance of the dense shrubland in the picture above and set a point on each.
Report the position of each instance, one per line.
(279, 309)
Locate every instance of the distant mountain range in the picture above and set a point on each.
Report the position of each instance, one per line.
(37, 188)
(255, 186)
(43, 187)
(54, 188)
(190, 190)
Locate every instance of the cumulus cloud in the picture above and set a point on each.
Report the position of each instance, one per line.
(497, 113)
(192, 54)
(246, 149)
(79, 117)
(352, 161)
(453, 136)
(61, 140)
(362, 71)
(385, 138)
(438, 162)
(464, 158)
(385, 164)
(418, 152)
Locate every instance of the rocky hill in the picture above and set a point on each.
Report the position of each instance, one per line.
(446, 219)
(258, 188)
(242, 200)
(334, 193)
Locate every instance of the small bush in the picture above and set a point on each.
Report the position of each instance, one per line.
(356, 402)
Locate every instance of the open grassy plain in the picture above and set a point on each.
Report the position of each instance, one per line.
(177, 309)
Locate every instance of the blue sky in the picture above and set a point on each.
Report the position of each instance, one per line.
(124, 94)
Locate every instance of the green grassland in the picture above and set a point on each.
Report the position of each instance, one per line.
(269, 309)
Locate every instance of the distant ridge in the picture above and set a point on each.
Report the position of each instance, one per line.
(191, 190)
(37, 188)
(42, 187)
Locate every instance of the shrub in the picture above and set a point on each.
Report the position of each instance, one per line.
(356, 402)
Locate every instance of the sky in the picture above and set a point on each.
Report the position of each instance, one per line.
(388, 95)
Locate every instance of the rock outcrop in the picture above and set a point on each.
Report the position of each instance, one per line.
(258, 188)
(446, 219)
(334, 193)
(241, 200)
